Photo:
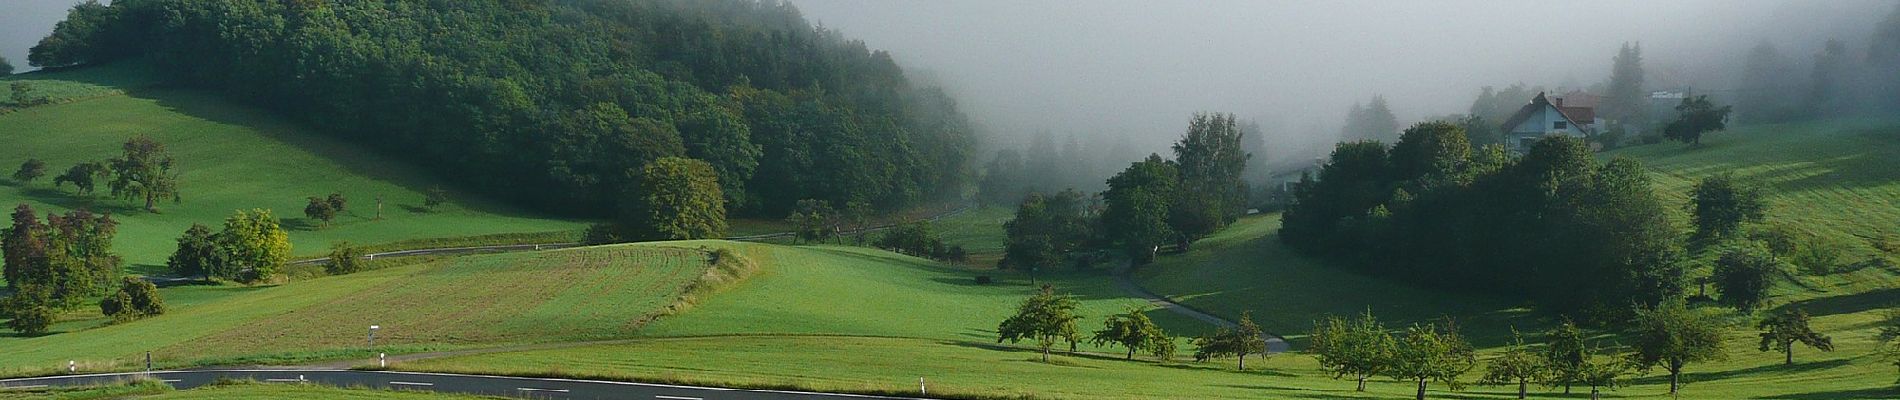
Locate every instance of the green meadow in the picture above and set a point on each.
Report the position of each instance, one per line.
(229, 157)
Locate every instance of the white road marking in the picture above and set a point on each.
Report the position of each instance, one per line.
(541, 390)
(677, 398)
(411, 383)
(170, 380)
(22, 387)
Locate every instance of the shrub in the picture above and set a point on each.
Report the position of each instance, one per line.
(344, 259)
(135, 299)
(984, 280)
(599, 234)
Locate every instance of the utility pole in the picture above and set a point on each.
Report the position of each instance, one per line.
(379, 207)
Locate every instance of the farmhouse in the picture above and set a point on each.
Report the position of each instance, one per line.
(1542, 117)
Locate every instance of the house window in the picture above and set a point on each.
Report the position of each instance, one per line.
(1560, 125)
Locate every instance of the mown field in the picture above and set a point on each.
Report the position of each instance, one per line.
(229, 157)
(553, 296)
(236, 390)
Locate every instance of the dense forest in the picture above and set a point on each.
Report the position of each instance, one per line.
(560, 103)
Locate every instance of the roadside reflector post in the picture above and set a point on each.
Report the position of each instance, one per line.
(921, 389)
(72, 366)
(382, 360)
(148, 361)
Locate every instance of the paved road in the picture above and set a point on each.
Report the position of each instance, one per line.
(537, 388)
(1275, 344)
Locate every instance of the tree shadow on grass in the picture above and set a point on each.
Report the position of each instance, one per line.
(1847, 304)
(75, 201)
(1223, 366)
(1772, 369)
(1872, 393)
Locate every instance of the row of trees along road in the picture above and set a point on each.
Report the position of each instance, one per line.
(562, 105)
(1152, 203)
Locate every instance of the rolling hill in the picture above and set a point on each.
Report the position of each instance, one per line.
(230, 157)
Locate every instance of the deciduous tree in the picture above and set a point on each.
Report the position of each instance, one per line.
(1134, 331)
(1137, 206)
(29, 171)
(256, 244)
(1046, 318)
(682, 200)
(320, 210)
(84, 176)
(144, 172)
(344, 259)
(434, 197)
(1720, 204)
(1783, 330)
(1672, 336)
(1564, 355)
(1694, 117)
(1359, 347)
(1517, 366)
(1743, 274)
(135, 299)
(1427, 354)
(198, 254)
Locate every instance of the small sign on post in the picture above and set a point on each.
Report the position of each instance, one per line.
(372, 334)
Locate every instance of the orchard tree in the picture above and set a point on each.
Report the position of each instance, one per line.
(1047, 317)
(256, 244)
(320, 210)
(1360, 347)
(29, 308)
(682, 200)
(1564, 355)
(1672, 336)
(1720, 204)
(29, 171)
(1600, 373)
(1783, 330)
(1695, 117)
(337, 201)
(1137, 206)
(25, 247)
(1247, 338)
(435, 197)
(198, 254)
(84, 177)
(1517, 366)
(135, 299)
(1427, 354)
(1743, 274)
(1134, 331)
(144, 172)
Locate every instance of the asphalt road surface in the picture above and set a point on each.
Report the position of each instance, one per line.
(535, 388)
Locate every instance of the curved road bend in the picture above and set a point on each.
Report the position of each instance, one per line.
(1275, 344)
(537, 388)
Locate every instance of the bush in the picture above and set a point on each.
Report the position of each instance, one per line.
(344, 259)
(599, 234)
(984, 280)
(1650, 139)
(135, 299)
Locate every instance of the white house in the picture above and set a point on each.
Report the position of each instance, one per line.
(1541, 118)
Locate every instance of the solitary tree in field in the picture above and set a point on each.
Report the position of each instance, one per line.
(256, 243)
(84, 176)
(1564, 355)
(30, 171)
(198, 254)
(144, 171)
(319, 210)
(1047, 317)
(1672, 336)
(1517, 366)
(682, 200)
(436, 196)
(1783, 330)
(1720, 204)
(1248, 338)
(1695, 117)
(1743, 275)
(1359, 347)
(1134, 331)
(1427, 354)
(337, 201)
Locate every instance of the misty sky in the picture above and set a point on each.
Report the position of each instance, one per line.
(1142, 67)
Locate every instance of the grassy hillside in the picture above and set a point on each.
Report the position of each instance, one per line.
(553, 296)
(229, 157)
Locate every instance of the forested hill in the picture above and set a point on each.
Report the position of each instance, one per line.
(558, 103)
